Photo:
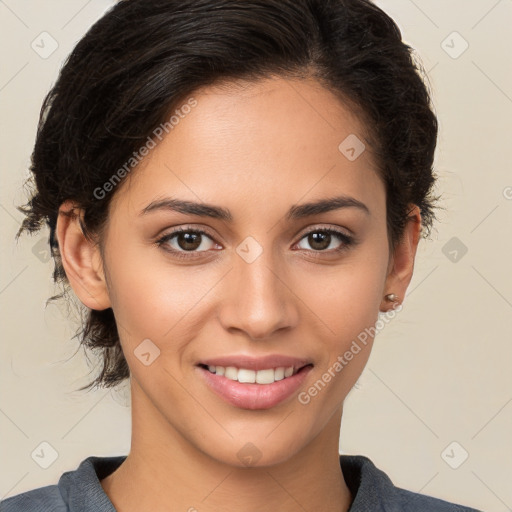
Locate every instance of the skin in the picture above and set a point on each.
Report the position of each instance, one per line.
(274, 144)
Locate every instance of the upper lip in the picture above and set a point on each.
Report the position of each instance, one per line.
(257, 363)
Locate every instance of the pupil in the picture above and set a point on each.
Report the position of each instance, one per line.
(317, 240)
(190, 241)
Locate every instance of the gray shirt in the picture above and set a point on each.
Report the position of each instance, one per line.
(80, 490)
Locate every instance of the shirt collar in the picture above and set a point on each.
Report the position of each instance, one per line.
(81, 489)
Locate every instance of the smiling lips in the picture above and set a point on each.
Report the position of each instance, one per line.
(250, 383)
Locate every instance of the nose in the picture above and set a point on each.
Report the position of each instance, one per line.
(258, 300)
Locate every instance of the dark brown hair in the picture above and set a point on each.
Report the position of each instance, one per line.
(143, 57)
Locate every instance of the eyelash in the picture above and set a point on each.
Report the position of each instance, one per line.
(346, 239)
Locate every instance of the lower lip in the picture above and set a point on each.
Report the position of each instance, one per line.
(254, 396)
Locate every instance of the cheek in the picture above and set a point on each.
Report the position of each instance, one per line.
(348, 298)
(155, 300)
(347, 301)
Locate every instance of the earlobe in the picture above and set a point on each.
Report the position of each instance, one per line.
(402, 261)
(81, 259)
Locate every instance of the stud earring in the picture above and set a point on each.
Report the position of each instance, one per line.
(391, 297)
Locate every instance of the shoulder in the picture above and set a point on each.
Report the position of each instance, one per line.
(373, 490)
(78, 490)
(411, 501)
(36, 500)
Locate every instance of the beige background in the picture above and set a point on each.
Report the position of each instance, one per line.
(440, 371)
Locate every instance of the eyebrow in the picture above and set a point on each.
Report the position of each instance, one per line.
(296, 212)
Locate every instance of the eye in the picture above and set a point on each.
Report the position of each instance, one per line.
(186, 240)
(189, 243)
(321, 239)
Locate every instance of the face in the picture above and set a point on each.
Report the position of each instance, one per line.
(256, 286)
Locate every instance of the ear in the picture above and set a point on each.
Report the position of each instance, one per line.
(401, 264)
(81, 258)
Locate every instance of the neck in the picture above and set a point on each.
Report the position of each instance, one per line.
(163, 471)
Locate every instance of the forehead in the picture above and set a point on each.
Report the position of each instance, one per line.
(258, 144)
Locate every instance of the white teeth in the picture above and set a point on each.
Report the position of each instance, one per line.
(265, 376)
(244, 375)
(279, 374)
(231, 373)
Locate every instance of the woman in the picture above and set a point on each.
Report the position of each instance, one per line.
(234, 191)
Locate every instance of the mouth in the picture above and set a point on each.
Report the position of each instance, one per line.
(248, 376)
(248, 383)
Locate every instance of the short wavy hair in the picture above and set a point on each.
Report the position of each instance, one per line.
(143, 57)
